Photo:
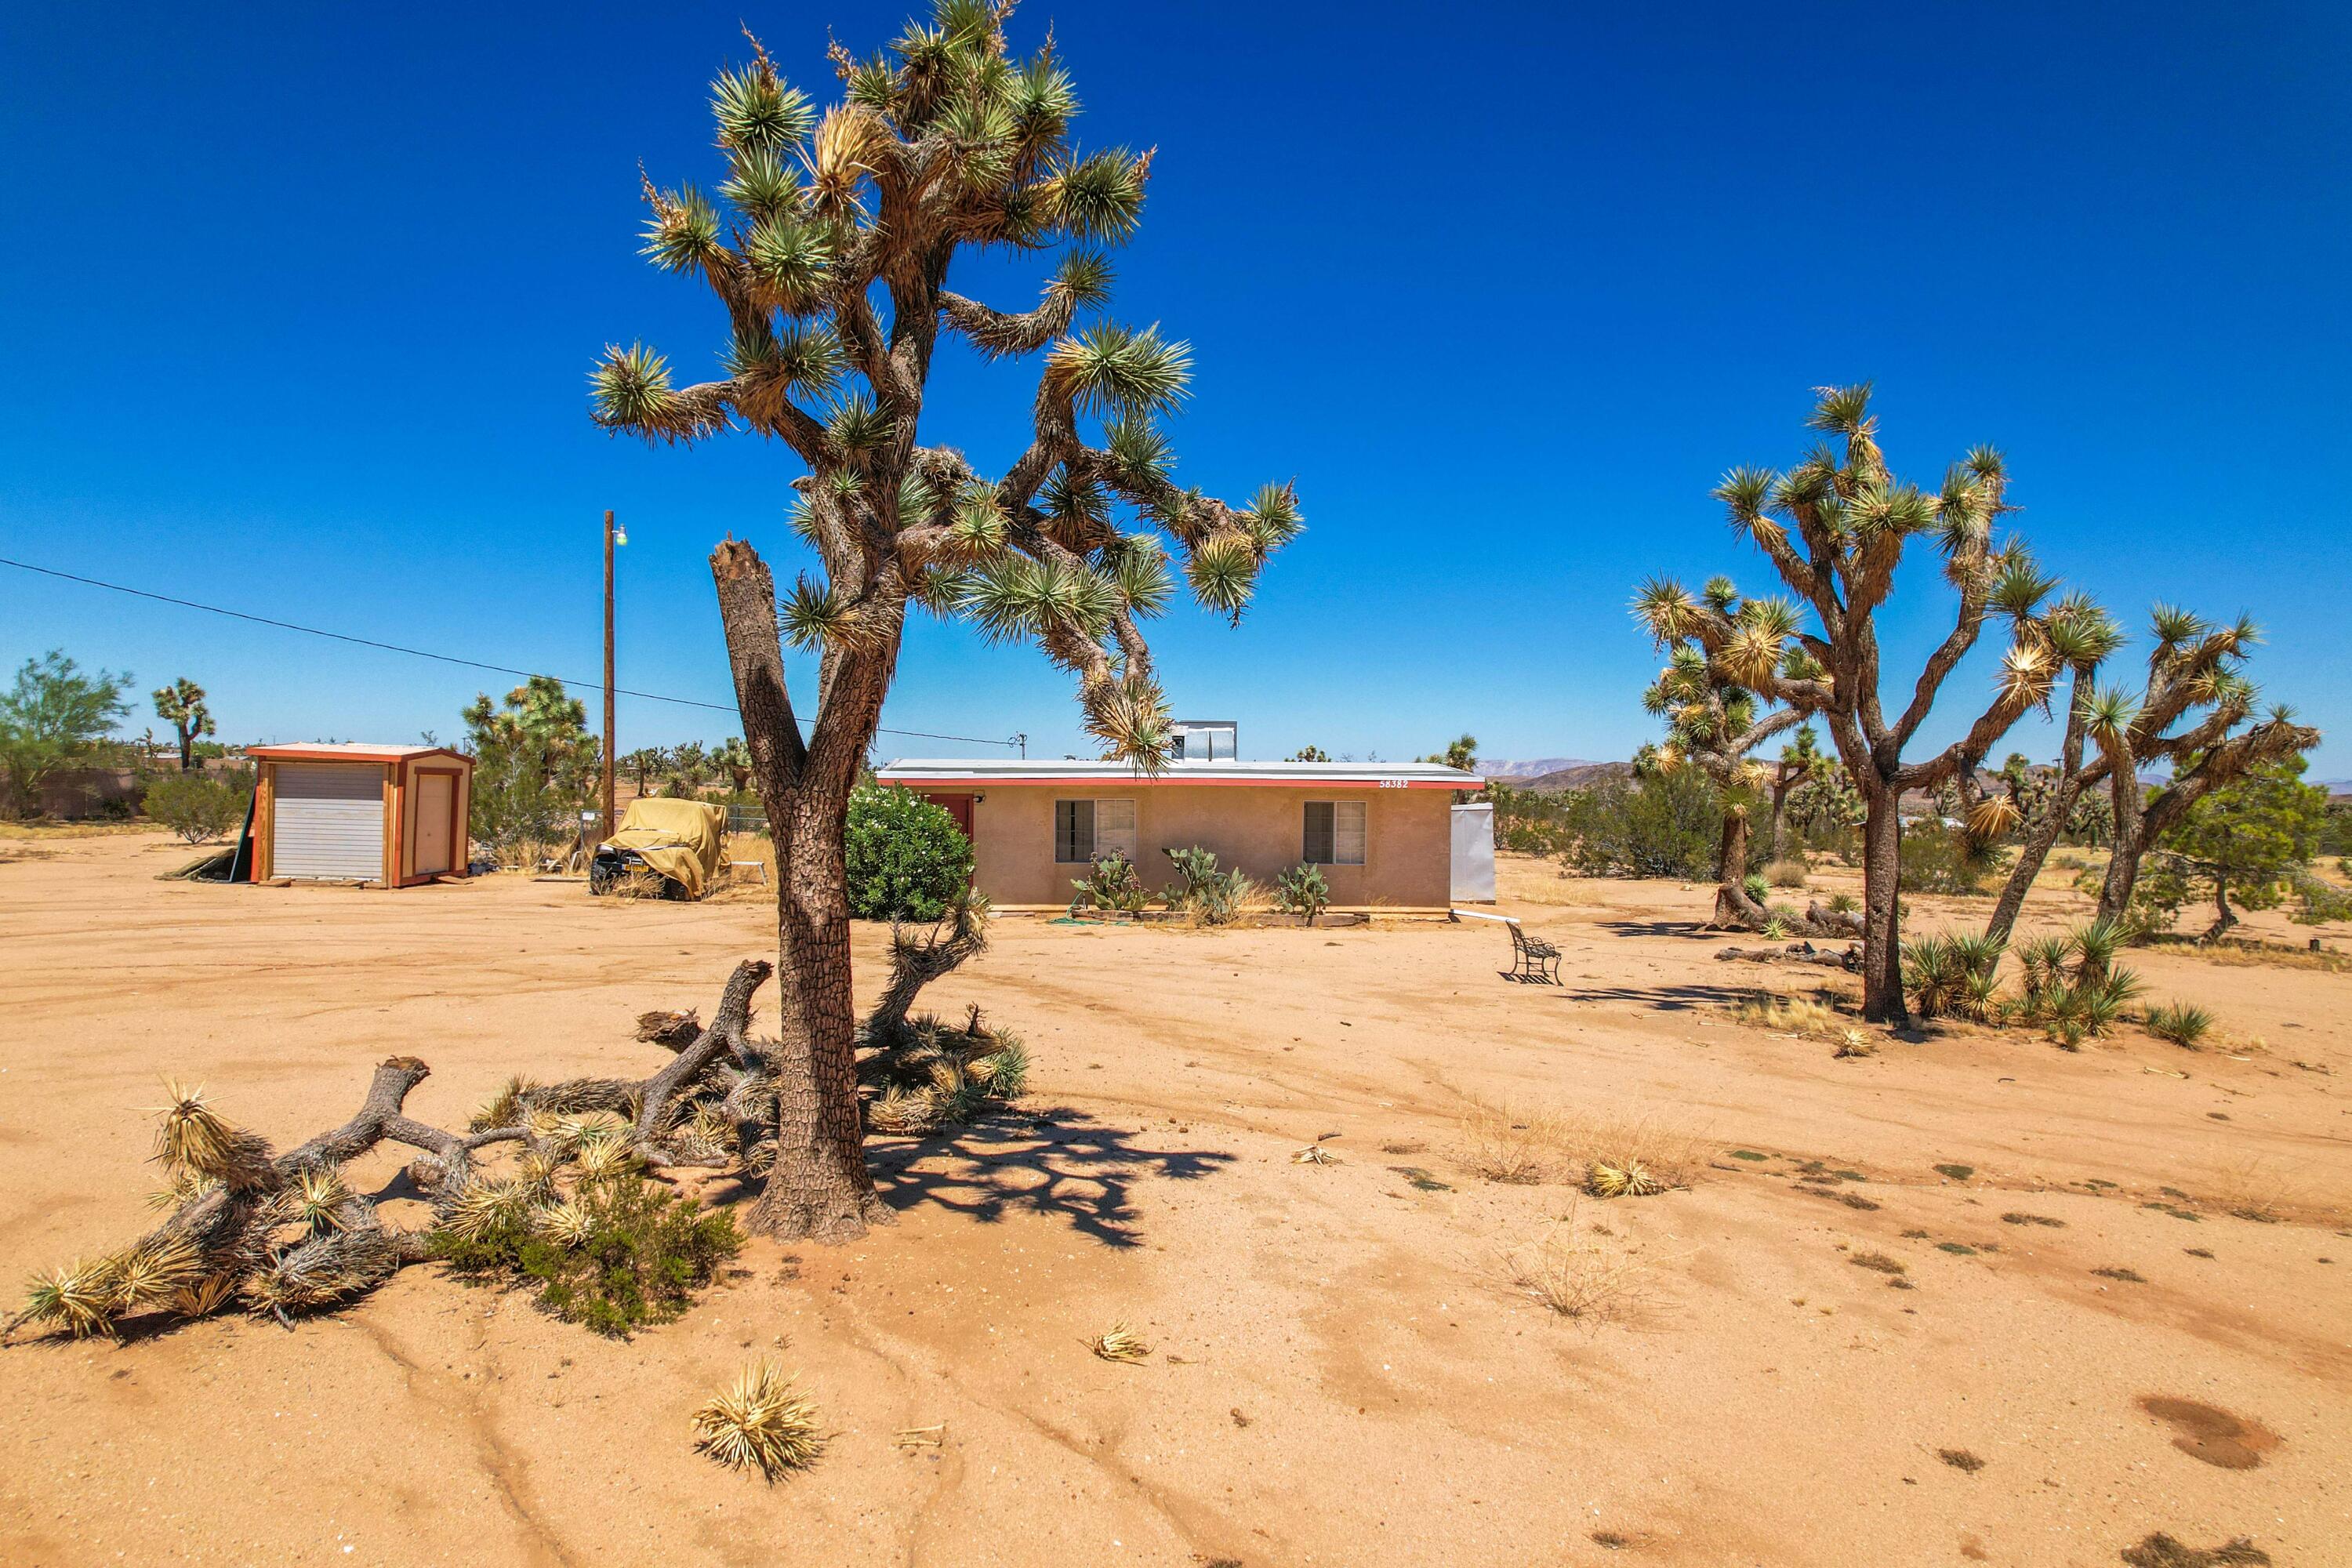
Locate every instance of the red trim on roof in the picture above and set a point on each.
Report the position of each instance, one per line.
(1146, 781)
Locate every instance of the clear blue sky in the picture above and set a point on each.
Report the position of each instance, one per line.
(303, 299)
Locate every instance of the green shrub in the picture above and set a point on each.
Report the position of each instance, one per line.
(1662, 825)
(200, 806)
(1756, 887)
(638, 1259)
(908, 859)
(1939, 859)
(1303, 890)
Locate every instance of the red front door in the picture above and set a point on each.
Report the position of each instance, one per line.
(958, 806)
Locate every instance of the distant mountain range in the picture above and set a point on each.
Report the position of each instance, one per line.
(1533, 767)
(1549, 775)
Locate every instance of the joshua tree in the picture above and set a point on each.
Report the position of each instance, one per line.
(1802, 762)
(690, 764)
(2080, 637)
(1727, 656)
(832, 267)
(734, 759)
(182, 705)
(644, 762)
(2197, 698)
(1462, 753)
(1310, 754)
(1835, 527)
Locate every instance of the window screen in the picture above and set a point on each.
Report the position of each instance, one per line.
(1115, 829)
(1088, 830)
(1334, 833)
(1074, 831)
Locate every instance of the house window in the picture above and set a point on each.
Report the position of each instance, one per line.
(1334, 833)
(1086, 830)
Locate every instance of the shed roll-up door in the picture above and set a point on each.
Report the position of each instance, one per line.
(330, 821)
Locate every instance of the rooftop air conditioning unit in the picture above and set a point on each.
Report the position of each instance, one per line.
(1203, 740)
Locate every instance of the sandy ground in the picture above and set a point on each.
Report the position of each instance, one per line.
(1344, 1370)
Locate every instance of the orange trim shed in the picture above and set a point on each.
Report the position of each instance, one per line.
(384, 817)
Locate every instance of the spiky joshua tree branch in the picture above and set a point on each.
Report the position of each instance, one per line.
(829, 249)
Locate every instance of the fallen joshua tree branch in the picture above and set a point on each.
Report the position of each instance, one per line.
(1848, 957)
(284, 1232)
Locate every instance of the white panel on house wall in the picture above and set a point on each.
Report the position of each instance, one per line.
(330, 821)
(1474, 853)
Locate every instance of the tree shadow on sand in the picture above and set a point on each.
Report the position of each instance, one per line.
(1696, 930)
(1665, 998)
(1059, 1163)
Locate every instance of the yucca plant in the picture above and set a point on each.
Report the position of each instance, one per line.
(2183, 1023)
(760, 1424)
(947, 143)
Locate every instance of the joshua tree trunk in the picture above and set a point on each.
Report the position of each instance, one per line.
(1881, 947)
(1780, 788)
(1733, 910)
(2043, 835)
(820, 1186)
(2224, 917)
(2123, 860)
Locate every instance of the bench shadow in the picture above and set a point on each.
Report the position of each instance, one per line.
(1060, 1163)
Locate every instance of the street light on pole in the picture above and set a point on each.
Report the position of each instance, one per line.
(613, 536)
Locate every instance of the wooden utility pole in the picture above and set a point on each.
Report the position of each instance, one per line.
(610, 820)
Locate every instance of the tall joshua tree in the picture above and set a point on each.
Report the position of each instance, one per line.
(1726, 655)
(2196, 697)
(2080, 637)
(1802, 762)
(1835, 527)
(182, 706)
(832, 264)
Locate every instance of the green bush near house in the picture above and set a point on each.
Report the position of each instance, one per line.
(908, 859)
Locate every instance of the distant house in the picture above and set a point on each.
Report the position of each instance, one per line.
(1382, 833)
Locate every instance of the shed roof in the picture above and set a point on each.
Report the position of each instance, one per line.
(939, 772)
(350, 752)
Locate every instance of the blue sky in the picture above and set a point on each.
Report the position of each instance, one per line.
(303, 300)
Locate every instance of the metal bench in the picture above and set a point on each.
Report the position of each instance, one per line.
(1534, 961)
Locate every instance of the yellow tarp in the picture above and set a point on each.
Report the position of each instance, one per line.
(679, 838)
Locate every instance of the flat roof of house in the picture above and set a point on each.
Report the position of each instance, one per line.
(939, 772)
(348, 752)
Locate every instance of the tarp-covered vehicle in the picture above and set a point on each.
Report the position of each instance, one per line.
(677, 840)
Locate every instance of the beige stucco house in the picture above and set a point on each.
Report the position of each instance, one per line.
(1381, 832)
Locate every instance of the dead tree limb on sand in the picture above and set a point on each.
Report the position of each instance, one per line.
(284, 1234)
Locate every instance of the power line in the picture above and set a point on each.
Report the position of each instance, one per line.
(441, 658)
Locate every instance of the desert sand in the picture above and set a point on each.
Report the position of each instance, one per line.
(1343, 1370)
